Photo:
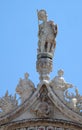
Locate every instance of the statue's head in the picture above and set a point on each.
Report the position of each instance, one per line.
(60, 72)
(42, 15)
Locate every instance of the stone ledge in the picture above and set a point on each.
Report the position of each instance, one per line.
(43, 122)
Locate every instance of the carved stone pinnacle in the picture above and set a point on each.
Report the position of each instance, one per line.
(46, 45)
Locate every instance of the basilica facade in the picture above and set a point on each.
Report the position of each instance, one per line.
(50, 105)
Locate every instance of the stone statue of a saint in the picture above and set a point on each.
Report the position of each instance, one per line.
(59, 82)
(47, 33)
(25, 88)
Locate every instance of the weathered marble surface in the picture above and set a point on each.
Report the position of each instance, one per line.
(49, 106)
(47, 33)
(46, 45)
(7, 103)
(25, 88)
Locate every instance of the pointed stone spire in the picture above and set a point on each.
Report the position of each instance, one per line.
(46, 45)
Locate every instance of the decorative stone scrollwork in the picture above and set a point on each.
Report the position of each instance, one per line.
(50, 128)
(45, 107)
(60, 86)
(44, 128)
(74, 100)
(44, 67)
(41, 128)
(25, 88)
(7, 104)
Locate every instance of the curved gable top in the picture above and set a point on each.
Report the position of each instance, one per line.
(50, 101)
(40, 101)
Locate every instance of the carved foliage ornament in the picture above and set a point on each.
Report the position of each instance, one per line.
(61, 87)
(7, 103)
(74, 100)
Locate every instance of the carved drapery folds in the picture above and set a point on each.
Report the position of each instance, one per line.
(46, 45)
(25, 88)
(44, 107)
(61, 87)
(47, 33)
(59, 83)
(50, 100)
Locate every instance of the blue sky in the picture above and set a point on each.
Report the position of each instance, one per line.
(18, 40)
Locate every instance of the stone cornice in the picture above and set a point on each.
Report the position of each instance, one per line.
(18, 111)
(63, 108)
(28, 103)
(45, 122)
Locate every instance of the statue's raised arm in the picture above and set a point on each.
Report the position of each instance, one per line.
(46, 34)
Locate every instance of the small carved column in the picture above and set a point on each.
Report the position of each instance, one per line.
(46, 45)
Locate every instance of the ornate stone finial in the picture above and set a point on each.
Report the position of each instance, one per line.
(46, 45)
(7, 103)
(25, 87)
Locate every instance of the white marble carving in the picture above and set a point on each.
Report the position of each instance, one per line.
(32, 128)
(43, 128)
(61, 87)
(46, 45)
(7, 103)
(25, 88)
(50, 128)
(74, 100)
(50, 106)
(44, 108)
(59, 83)
(47, 33)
